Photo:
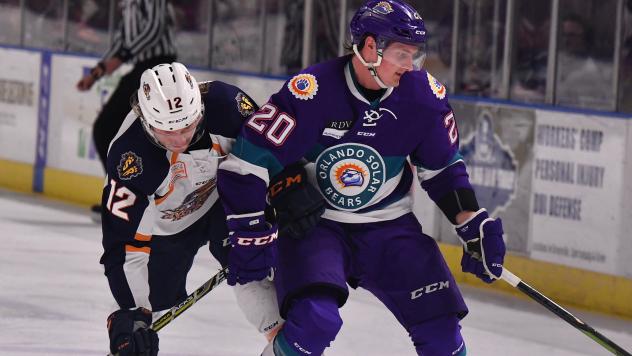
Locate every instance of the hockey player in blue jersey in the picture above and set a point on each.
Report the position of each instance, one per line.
(160, 206)
(359, 120)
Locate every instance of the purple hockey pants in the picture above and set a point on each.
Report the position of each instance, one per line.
(393, 260)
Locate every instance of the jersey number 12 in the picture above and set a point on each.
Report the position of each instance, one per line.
(127, 199)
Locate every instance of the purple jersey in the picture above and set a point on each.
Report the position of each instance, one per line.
(357, 149)
(358, 155)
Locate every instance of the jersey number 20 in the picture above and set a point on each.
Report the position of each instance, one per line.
(277, 126)
(450, 124)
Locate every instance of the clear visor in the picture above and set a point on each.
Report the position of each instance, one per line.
(405, 56)
(177, 140)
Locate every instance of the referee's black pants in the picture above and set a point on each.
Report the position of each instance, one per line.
(118, 106)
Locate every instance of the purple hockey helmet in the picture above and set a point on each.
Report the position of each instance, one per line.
(387, 21)
(399, 33)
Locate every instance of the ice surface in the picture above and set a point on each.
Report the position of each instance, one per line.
(54, 300)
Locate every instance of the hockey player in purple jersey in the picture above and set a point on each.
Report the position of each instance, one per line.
(160, 206)
(358, 120)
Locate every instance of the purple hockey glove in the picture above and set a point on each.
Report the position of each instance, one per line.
(253, 251)
(483, 246)
(130, 334)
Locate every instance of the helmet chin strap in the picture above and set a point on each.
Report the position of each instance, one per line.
(372, 66)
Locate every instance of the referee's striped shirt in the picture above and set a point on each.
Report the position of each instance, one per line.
(145, 32)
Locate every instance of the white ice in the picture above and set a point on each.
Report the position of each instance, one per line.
(54, 300)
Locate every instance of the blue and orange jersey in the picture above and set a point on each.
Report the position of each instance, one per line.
(151, 191)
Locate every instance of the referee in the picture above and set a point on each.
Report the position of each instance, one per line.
(145, 37)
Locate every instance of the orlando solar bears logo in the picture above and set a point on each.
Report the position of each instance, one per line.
(130, 166)
(303, 86)
(245, 106)
(349, 175)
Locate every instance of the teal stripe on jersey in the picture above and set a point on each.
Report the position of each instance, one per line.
(457, 156)
(394, 165)
(256, 155)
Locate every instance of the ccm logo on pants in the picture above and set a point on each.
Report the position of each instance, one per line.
(429, 289)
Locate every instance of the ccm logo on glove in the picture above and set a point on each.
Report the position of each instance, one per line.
(256, 241)
(284, 183)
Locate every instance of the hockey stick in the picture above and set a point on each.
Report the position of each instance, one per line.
(191, 299)
(562, 313)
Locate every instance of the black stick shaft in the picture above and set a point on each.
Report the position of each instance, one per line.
(532, 293)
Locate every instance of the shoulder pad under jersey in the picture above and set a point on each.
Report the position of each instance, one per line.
(136, 162)
(226, 107)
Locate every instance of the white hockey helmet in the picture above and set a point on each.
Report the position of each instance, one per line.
(169, 97)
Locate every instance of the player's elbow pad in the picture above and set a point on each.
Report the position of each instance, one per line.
(456, 201)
